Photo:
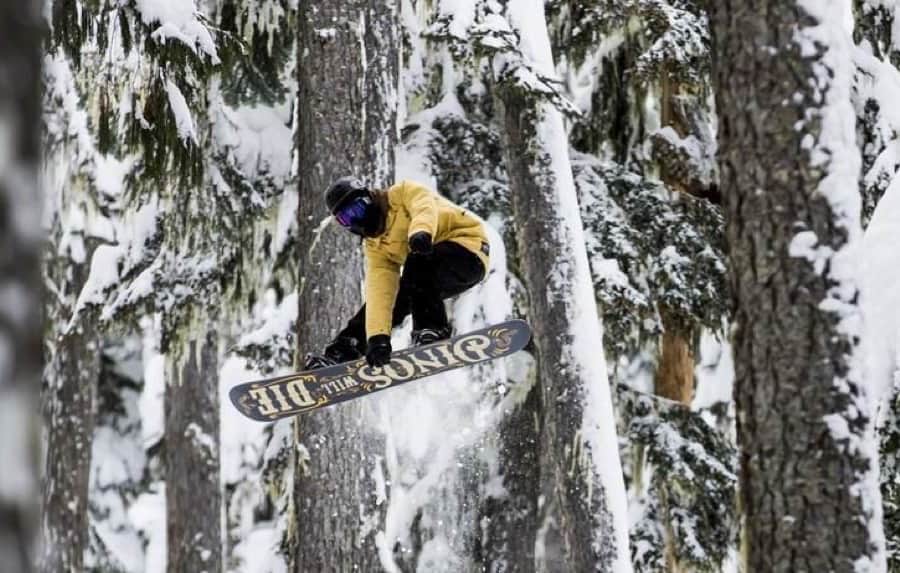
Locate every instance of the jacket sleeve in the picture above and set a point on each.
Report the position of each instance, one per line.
(382, 284)
(421, 203)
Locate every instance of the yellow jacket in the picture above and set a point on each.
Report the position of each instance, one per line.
(411, 208)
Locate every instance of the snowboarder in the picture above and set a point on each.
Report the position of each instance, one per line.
(442, 251)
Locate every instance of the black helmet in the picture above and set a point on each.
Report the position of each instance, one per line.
(342, 190)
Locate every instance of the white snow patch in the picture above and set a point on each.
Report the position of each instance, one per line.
(184, 122)
(148, 514)
(277, 319)
(715, 372)
(179, 20)
(881, 295)
(152, 397)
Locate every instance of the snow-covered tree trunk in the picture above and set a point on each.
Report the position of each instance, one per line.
(196, 226)
(71, 340)
(20, 323)
(789, 166)
(69, 399)
(576, 415)
(581, 479)
(193, 491)
(346, 126)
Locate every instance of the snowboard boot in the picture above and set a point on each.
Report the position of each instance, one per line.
(425, 336)
(316, 361)
(341, 349)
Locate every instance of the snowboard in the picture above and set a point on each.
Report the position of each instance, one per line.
(275, 398)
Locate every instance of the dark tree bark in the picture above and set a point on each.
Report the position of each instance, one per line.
(381, 81)
(190, 342)
(342, 84)
(803, 504)
(69, 401)
(193, 492)
(20, 323)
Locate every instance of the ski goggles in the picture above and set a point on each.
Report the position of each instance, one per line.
(353, 213)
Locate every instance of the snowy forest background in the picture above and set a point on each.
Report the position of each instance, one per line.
(709, 191)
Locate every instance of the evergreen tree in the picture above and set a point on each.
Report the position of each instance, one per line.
(576, 409)
(789, 163)
(347, 73)
(647, 180)
(186, 208)
(71, 341)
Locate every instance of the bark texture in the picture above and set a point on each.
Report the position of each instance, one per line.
(578, 529)
(20, 323)
(69, 404)
(674, 377)
(802, 505)
(347, 125)
(193, 492)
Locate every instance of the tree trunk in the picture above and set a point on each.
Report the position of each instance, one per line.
(20, 322)
(193, 492)
(381, 81)
(68, 401)
(674, 377)
(546, 241)
(343, 82)
(69, 410)
(789, 167)
(581, 474)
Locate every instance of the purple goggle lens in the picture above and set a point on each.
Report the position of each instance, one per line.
(353, 213)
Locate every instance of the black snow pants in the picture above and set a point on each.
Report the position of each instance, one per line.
(425, 282)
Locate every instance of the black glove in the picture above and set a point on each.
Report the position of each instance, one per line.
(420, 243)
(378, 352)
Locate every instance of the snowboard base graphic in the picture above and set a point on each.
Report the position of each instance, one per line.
(275, 398)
